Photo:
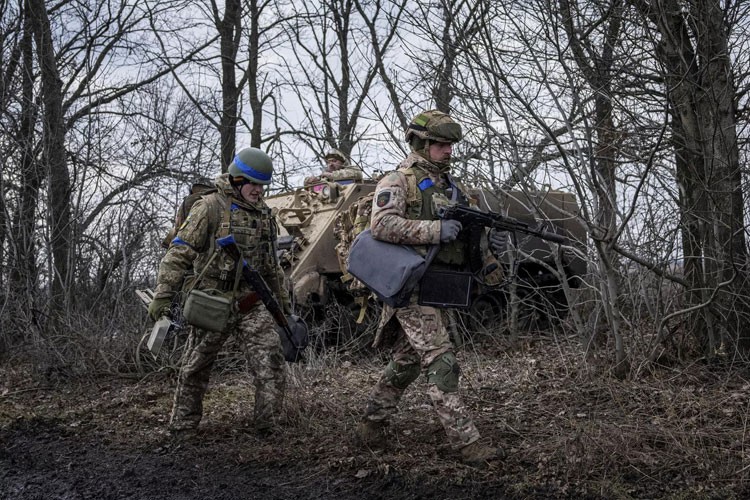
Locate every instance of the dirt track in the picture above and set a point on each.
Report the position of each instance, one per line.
(106, 440)
(569, 433)
(42, 460)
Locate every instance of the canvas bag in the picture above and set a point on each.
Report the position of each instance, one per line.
(207, 309)
(391, 271)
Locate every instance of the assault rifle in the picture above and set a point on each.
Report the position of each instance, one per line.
(473, 217)
(293, 333)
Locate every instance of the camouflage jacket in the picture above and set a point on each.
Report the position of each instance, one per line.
(405, 207)
(193, 253)
(348, 172)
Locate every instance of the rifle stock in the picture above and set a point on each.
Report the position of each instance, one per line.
(472, 217)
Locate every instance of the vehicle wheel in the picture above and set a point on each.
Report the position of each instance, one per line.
(486, 312)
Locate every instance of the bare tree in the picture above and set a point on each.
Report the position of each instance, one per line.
(594, 51)
(53, 153)
(331, 71)
(691, 42)
(63, 80)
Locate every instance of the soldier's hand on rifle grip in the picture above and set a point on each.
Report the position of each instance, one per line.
(498, 241)
(159, 307)
(449, 230)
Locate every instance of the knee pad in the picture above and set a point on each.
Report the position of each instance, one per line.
(400, 376)
(443, 372)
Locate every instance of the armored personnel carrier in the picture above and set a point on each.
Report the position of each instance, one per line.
(536, 267)
(307, 217)
(310, 218)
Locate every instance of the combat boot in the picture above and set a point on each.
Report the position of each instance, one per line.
(372, 434)
(478, 453)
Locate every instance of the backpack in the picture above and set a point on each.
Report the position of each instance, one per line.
(347, 225)
(197, 191)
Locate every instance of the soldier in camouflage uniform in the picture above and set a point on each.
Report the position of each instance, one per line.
(236, 207)
(338, 169)
(404, 212)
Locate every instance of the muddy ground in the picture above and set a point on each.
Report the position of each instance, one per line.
(571, 430)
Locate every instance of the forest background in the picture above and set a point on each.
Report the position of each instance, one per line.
(111, 109)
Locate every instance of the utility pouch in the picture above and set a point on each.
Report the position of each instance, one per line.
(391, 271)
(207, 309)
(445, 289)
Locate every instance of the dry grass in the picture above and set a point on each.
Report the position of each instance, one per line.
(570, 428)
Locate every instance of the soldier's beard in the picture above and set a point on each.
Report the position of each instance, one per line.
(442, 166)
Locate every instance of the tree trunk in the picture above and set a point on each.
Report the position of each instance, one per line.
(256, 103)
(230, 31)
(54, 156)
(22, 278)
(694, 51)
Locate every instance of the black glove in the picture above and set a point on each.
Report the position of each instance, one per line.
(449, 230)
(498, 241)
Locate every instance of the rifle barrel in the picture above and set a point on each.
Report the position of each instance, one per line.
(470, 216)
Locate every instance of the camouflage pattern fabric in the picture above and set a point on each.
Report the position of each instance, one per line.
(389, 208)
(254, 231)
(422, 334)
(423, 337)
(346, 226)
(260, 342)
(350, 173)
(189, 256)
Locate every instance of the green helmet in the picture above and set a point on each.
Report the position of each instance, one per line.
(435, 126)
(253, 165)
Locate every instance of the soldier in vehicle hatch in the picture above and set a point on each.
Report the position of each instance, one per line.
(338, 169)
(404, 211)
(234, 207)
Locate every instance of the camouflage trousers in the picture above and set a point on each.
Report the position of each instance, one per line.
(422, 338)
(262, 348)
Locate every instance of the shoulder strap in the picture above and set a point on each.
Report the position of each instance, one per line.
(219, 218)
(413, 194)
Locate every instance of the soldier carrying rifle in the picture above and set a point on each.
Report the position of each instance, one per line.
(234, 208)
(405, 211)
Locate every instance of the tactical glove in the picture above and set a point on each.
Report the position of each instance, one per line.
(449, 230)
(159, 307)
(498, 241)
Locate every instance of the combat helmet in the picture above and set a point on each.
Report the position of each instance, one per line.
(335, 154)
(252, 164)
(433, 125)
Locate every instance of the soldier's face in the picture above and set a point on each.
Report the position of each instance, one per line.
(440, 152)
(334, 164)
(251, 192)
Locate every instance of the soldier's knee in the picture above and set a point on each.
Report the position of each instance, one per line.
(443, 372)
(400, 376)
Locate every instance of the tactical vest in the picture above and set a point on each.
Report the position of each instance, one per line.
(419, 206)
(254, 231)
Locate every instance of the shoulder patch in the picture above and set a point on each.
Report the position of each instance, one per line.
(384, 197)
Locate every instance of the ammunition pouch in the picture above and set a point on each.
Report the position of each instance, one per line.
(207, 309)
